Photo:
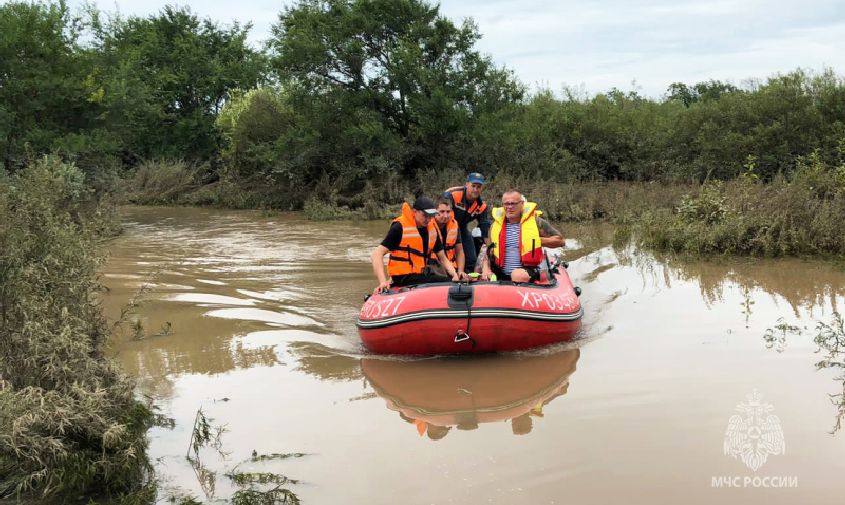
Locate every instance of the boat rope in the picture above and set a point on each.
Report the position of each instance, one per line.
(463, 335)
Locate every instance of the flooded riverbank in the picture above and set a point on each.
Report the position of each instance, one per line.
(251, 318)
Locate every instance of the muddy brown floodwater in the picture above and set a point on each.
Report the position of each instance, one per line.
(691, 382)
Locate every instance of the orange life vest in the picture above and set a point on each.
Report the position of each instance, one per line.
(449, 242)
(475, 208)
(409, 258)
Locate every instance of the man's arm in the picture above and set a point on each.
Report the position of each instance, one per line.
(377, 259)
(441, 256)
(549, 236)
(486, 270)
(459, 256)
(484, 223)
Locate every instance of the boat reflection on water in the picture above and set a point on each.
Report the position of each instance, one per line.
(438, 395)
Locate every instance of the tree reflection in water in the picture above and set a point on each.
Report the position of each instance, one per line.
(803, 284)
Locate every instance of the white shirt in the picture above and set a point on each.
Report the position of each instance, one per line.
(512, 257)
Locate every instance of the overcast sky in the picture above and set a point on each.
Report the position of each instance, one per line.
(597, 45)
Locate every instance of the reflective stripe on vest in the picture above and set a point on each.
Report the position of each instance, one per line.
(476, 208)
(449, 242)
(408, 257)
(530, 247)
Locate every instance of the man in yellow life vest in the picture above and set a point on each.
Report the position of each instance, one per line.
(518, 236)
(409, 241)
(450, 236)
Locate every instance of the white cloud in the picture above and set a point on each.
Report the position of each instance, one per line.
(610, 43)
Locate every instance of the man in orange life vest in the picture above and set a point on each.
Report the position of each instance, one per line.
(450, 236)
(409, 241)
(468, 206)
(518, 235)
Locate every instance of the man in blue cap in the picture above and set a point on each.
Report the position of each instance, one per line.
(468, 206)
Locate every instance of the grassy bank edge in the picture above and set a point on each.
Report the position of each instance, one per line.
(795, 215)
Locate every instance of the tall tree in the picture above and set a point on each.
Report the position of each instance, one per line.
(171, 72)
(397, 60)
(42, 92)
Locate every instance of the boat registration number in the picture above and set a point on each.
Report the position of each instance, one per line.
(381, 308)
(536, 300)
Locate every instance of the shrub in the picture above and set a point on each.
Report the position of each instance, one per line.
(161, 182)
(69, 422)
(786, 217)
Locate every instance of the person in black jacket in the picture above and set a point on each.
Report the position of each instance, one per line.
(468, 206)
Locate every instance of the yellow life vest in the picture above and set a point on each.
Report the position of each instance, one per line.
(530, 247)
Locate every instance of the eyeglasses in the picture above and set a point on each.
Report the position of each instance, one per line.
(511, 204)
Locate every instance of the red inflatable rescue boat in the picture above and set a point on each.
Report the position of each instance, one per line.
(477, 317)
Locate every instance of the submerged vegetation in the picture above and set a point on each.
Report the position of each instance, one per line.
(254, 487)
(70, 424)
(830, 339)
(795, 214)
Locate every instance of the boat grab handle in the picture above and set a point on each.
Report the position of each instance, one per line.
(462, 336)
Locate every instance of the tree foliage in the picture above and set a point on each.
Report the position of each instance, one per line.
(171, 72)
(137, 88)
(700, 92)
(42, 91)
(401, 83)
(353, 95)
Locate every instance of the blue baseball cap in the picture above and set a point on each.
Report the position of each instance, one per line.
(475, 178)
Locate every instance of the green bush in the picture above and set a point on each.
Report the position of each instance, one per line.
(795, 216)
(161, 182)
(70, 424)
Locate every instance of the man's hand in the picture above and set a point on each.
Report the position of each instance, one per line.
(456, 277)
(377, 259)
(383, 287)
